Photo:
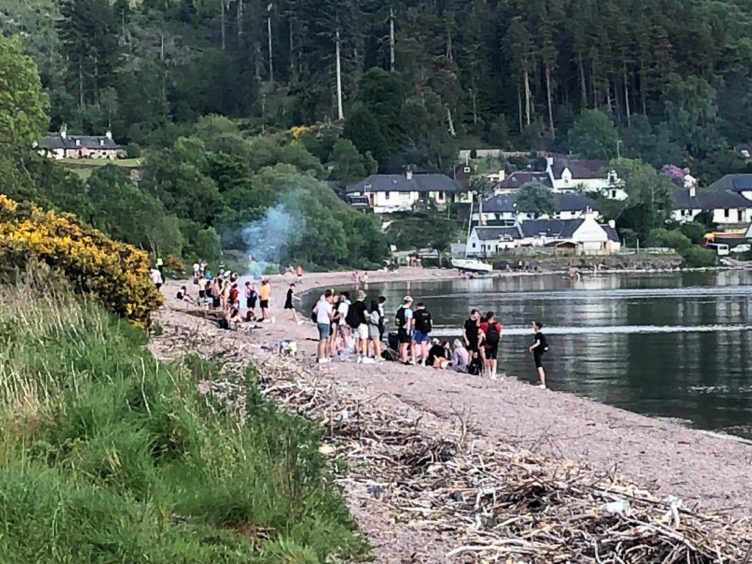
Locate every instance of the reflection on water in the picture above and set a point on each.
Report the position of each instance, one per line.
(669, 345)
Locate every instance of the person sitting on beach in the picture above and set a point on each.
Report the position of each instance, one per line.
(183, 296)
(437, 355)
(460, 356)
(231, 316)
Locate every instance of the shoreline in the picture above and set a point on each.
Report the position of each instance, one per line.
(663, 456)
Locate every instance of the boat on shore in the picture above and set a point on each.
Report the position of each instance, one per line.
(474, 266)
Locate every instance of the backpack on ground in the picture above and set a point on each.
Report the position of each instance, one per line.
(493, 335)
(400, 319)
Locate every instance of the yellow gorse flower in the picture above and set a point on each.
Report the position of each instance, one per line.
(112, 273)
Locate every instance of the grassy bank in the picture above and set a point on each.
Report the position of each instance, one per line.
(108, 455)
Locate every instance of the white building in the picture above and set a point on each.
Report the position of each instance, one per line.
(387, 193)
(503, 208)
(568, 175)
(722, 207)
(738, 183)
(583, 235)
(65, 146)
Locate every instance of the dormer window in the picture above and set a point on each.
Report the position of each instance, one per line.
(101, 142)
(78, 142)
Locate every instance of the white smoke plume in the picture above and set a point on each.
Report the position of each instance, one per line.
(268, 239)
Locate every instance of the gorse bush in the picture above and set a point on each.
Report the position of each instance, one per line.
(107, 455)
(114, 274)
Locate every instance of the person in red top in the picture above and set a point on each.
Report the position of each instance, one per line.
(490, 336)
(234, 295)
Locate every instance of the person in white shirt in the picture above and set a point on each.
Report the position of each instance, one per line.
(156, 277)
(324, 314)
(344, 308)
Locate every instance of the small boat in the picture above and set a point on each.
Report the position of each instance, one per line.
(476, 266)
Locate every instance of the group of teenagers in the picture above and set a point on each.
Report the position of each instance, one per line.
(346, 327)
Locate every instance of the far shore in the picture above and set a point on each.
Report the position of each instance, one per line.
(706, 469)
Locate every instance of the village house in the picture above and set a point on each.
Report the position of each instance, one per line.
(583, 235)
(738, 183)
(568, 175)
(516, 180)
(722, 207)
(387, 193)
(65, 146)
(503, 208)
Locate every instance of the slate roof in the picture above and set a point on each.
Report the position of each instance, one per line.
(505, 203)
(613, 235)
(733, 183)
(579, 169)
(519, 178)
(400, 183)
(485, 233)
(706, 200)
(561, 228)
(94, 142)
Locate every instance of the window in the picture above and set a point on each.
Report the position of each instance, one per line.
(613, 194)
(726, 213)
(474, 244)
(386, 195)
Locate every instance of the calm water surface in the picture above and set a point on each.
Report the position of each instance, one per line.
(667, 345)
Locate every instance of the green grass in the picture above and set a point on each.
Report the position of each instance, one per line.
(83, 162)
(107, 455)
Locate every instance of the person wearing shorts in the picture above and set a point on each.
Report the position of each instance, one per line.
(539, 348)
(265, 295)
(360, 325)
(490, 331)
(421, 329)
(405, 329)
(323, 311)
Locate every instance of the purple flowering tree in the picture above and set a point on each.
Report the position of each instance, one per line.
(674, 174)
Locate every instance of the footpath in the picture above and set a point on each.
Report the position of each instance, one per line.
(451, 467)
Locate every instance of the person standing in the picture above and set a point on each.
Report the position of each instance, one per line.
(288, 302)
(421, 330)
(470, 333)
(323, 311)
(156, 277)
(299, 273)
(250, 300)
(404, 321)
(382, 317)
(374, 328)
(343, 311)
(265, 296)
(196, 272)
(490, 331)
(539, 348)
(357, 319)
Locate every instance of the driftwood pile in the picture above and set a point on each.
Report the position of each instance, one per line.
(500, 505)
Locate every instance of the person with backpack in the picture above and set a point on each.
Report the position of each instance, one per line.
(404, 322)
(490, 336)
(422, 327)
(357, 320)
(539, 348)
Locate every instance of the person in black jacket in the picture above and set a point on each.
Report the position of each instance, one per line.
(539, 348)
(421, 330)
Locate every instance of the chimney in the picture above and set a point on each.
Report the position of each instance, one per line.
(108, 134)
(64, 131)
(612, 224)
(409, 174)
(692, 191)
(550, 161)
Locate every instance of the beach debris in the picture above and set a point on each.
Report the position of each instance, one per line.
(489, 504)
(286, 348)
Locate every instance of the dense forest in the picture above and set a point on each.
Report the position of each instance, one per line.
(672, 75)
(236, 107)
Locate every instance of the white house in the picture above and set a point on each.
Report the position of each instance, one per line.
(722, 207)
(503, 208)
(387, 193)
(583, 235)
(65, 146)
(567, 175)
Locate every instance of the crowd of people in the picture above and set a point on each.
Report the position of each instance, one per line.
(354, 328)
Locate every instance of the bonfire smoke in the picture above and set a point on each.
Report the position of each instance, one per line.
(267, 239)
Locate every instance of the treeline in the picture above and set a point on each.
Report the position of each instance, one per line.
(513, 73)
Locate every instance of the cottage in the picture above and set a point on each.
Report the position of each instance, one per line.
(65, 146)
(516, 180)
(588, 175)
(722, 207)
(738, 183)
(503, 208)
(583, 235)
(388, 193)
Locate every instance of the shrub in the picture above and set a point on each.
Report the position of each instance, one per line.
(697, 257)
(113, 274)
(693, 231)
(133, 151)
(673, 239)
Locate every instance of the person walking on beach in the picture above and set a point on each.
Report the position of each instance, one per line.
(422, 328)
(324, 314)
(156, 277)
(288, 302)
(539, 348)
(265, 296)
(490, 331)
(404, 322)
